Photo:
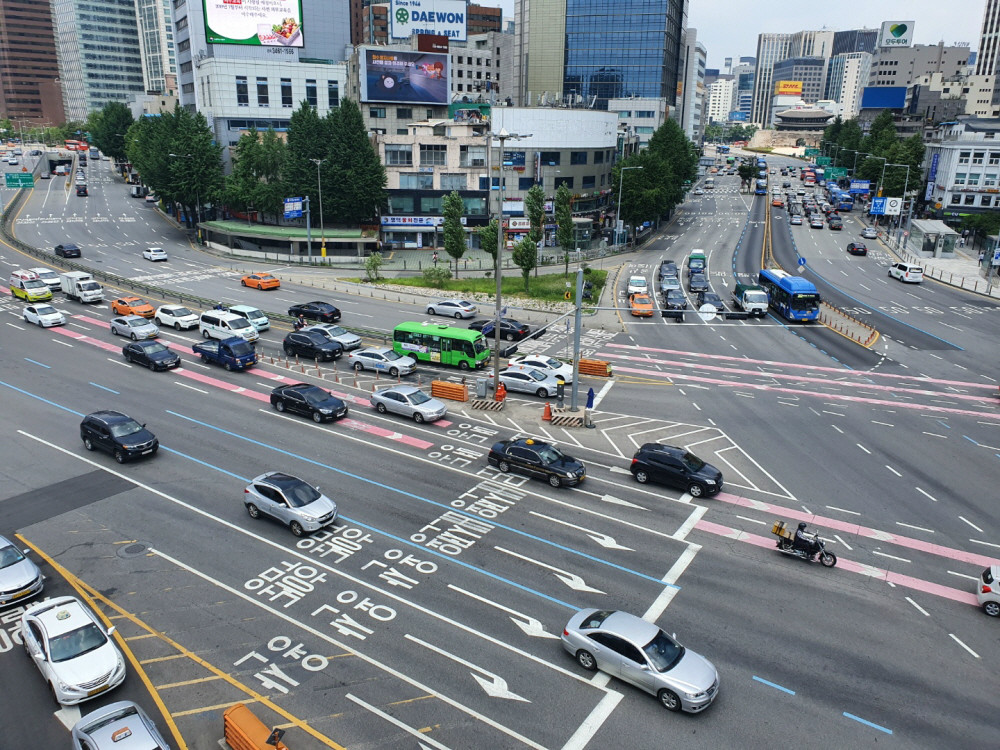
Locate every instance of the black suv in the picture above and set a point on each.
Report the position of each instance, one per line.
(324, 312)
(312, 344)
(676, 467)
(537, 459)
(118, 434)
(68, 250)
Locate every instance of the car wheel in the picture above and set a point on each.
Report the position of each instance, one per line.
(641, 477)
(586, 660)
(380, 408)
(696, 490)
(134, 337)
(463, 365)
(288, 351)
(88, 444)
(431, 311)
(542, 392)
(317, 417)
(669, 700)
(177, 326)
(503, 466)
(358, 366)
(992, 608)
(114, 331)
(555, 481)
(25, 318)
(458, 316)
(151, 365)
(279, 405)
(243, 282)
(204, 334)
(296, 528)
(418, 417)
(509, 337)
(253, 510)
(228, 367)
(119, 456)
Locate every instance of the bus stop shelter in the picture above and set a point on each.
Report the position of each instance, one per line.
(290, 244)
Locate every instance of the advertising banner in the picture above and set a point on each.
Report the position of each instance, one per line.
(440, 17)
(788, 88)
(268, 23)
(895, 34)
(404, 76)
(737, 116)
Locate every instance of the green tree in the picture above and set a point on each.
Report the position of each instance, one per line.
(526, 258)
(650, 188)
(881, 134)
(195, 162)
(372, 265)
(256, 176)
(534, 209)
(564, 221)
(488, 242)
(356, 172)
(435, 276)
(306, 139)
(109, 129)
(455, 244)
(747, 173)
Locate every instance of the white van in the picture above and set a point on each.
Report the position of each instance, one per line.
(636, 285)
(255, 316)
(906, 272)
(216, 324)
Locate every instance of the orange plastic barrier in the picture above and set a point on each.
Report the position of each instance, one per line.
(450, 391)
(244, 731)
(596, 367)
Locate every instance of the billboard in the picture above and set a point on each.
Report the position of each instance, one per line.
(737, 116)
(268, 23)
(788, 88)
(404, 76)
(883, 97)
(439, 17)
(895, 34)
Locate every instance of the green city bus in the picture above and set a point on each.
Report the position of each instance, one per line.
(433, 342)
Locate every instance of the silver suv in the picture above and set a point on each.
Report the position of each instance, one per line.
(297, 504)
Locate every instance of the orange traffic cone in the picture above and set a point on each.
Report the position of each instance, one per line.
(547, 414)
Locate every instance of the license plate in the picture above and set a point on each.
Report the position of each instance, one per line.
(95, 691)
(19, 594)
(149, 450)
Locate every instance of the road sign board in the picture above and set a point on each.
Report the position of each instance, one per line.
(802, 261)
(835, 173)
(822, 161)
(878, 206)
(19, 179)
(812, 152)
(893, 206)
(293, 208)
(860, 186)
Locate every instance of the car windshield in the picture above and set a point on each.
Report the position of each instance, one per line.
(535, 375)
(254, 314)
(35, 284)
(316, 337)
(124, 429)
(756, 296)
(555, 364)
(663, 652)
(418, 397)
(315, 396)
(465, 303)
(239, 323)
(155, 348)
(136, 322)
(88, 286)
(76, 642)
(693, 462)
(337, 331)
(390, 355)
(549, 455)
(479, 345)
(300, 494)
(9, 555)
(240, 348)
(45, 310)
(179, 312)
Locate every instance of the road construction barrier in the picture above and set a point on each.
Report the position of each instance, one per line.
(597, 367)
(451, 391)
(244, 731)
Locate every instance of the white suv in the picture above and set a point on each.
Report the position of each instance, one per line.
(906, 272)
(637, 285)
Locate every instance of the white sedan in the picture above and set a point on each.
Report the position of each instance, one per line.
(176, 316)
(154, 253)
(453, 308)
(546, 364)
(45, 316)
(529, 380)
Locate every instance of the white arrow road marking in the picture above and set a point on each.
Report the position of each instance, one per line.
(572, 580)
(494, 685)
(604, 540)
(528, 624)
(618, 501)
(422, 738)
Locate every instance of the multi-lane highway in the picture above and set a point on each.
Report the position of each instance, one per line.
(430, 615)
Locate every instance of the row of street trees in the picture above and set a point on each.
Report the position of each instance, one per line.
(844, 141)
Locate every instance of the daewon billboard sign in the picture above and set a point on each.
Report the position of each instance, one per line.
(440, 17)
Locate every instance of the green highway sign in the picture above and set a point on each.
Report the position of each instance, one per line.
(812, 152)
(835, 172)
(822, 161)
(19, 179)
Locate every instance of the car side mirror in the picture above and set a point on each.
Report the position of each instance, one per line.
(111, 630)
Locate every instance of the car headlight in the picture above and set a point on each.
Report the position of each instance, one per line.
(326, 411)
(693, 696)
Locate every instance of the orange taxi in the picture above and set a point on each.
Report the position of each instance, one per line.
(778, 202)
(640, 305)
(260, 281)
(132, 306)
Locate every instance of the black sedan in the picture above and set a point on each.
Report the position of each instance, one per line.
(311, 344)
(537, 460)
(675, 300)
(857, 248)
(324, 312)
(698, 283)
(68, 250)
(308, 400)
(510, 329)
(151, 354)
(710, 298)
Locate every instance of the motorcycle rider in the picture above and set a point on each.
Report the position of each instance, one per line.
(805, 541)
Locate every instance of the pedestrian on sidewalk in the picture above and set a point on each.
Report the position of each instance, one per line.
(435, 257)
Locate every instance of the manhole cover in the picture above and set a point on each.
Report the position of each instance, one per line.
(133, 549)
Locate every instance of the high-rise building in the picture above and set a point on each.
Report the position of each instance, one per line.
(374, 28)
(855, 40)
(771, 48)
(97, 46)
(810, 72)
(901, 66)
(988, 55)
(692, 87)
(846, 78)
(721, 94)
(156, 44)
(29, 72)
(744, 75)
(590, 51)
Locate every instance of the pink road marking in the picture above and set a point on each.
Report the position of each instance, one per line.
(797, 392)
(917, 584)
(805, 379)
(863, 531)
(795, 365)
(106, 346)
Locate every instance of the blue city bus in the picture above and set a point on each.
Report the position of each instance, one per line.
(722, 149)
(794, 297)
(846, 203)
(761, 188)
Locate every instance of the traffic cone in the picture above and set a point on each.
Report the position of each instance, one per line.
(547, 414)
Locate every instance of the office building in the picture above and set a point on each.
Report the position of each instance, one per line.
(156, 44)
(962, 163)
(847, 76)
(97, 46)
(744, 74)
(482, 67)
(900, 66)
(721, 95)
(988, 54)
(640, 117)
(692, 89)
(29, 71)
(810, 72)
(771, 48)
(588, 52)
(855, 40)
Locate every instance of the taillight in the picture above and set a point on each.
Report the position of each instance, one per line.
(986, 589)
(565, 631)
(635, 461)
(246, 490)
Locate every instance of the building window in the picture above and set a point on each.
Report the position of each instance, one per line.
(589, 181)
(401, 131)
(956, 199)
(286, 92)
(624, 114)
(525, 183)
(959, 178)
(994, 158)
(242, 91)
(311, 96)
(400, 204)
(472, 156)
(262, 98)
(181, 23)
(990, 179)
(453, 182)
(970, 199)
(333, 94)
(646, 113)
(474, 206)
(398, 155)
(404, 113)
(550, 158)
(430, 204)
(433, 154)
(602, 179)
(186, 67)
(188, 88)
(429, 113)
(567, 181)
(377, 113)
(598, 157)
(986, 201)
(577, 157)
(963, 157)
(978, 156)
(184, 46)
(644, 130)
(973, 179)
(416, 181)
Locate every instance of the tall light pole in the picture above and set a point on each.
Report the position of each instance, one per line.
(618, 210)
(197, 197)
(322, 229)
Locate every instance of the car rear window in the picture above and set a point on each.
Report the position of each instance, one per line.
(596, 619)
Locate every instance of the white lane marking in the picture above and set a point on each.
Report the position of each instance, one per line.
(59, 341)
(531, 626)
(893, 470)
(494, 685)
(955, 638)
(919, 609)
(661, 602)
(602, 393)
(934, 434)
(422, 738)
(925, 494)
(606, 541)
(843, 510)
(752, 520)
(846, 545)
(963, 575)
(891, 557)
(863, 448)
(685, 529)
(837, 429)
(988, 544)
(911, 526)
(572, 580)
(595, 720)
(185, 385)
(963, 518)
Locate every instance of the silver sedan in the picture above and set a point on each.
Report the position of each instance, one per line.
(20, 578)
(135, 327)
(453, 308)
(408, 401)
(529, 380)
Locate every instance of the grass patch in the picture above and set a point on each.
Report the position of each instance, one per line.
(550, 287)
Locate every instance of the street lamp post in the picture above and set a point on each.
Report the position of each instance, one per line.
(322, 229)
(618, 210)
